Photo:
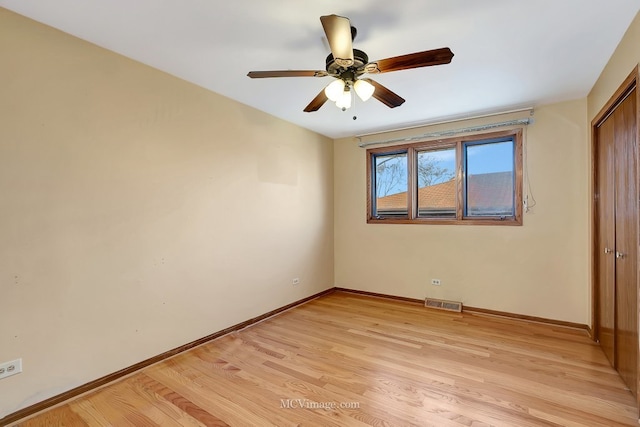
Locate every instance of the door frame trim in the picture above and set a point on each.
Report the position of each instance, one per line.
(626, 85)
(618, 96)
(621, 93)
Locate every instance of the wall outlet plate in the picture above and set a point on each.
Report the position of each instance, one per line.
(295, 282)
(435, 282)
(8, 369)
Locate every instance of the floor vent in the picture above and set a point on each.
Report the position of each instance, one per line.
(443, 305)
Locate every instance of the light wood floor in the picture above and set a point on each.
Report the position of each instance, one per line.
(379, 362)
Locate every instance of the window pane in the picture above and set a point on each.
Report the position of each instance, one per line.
(436, 183)
(391, 185)
(489, 179)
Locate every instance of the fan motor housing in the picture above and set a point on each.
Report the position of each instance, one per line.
(359, 59)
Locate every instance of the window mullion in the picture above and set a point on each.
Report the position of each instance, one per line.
(413, 183)
(460, 176)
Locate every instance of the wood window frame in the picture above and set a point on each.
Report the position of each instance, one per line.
(458, 143)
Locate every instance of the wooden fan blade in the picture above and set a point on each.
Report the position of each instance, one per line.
(412, 60)
(286, 73)
(317, 102)
(338, 31)
(384, 95)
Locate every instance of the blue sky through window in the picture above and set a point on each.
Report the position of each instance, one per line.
(481, 159)
(488, 158)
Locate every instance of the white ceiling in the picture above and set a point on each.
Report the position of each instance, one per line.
(508, 53)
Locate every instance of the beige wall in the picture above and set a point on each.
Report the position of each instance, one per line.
(538, 269)
(621, 64)
(139, 212)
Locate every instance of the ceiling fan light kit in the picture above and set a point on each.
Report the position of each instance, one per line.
(347, 65)
(344, 102)
(334, 90)
(364, 89)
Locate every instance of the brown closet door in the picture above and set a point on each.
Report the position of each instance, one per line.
(626, 217)
(606, 239)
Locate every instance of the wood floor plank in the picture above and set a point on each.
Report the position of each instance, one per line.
(88, 413)
(174, 405)
(60, 416)
(352, 360)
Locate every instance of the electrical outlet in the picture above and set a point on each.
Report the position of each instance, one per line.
(295, 282)
(10, 368)
(435, 282)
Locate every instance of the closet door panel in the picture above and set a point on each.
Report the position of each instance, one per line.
(605, 249)
(626, 213)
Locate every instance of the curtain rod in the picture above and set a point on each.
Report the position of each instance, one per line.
(459, 119)
(517, 122)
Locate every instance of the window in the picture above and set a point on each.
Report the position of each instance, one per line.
(391, 184)
(467, 180)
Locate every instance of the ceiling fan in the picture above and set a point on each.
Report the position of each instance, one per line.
(347, 65)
